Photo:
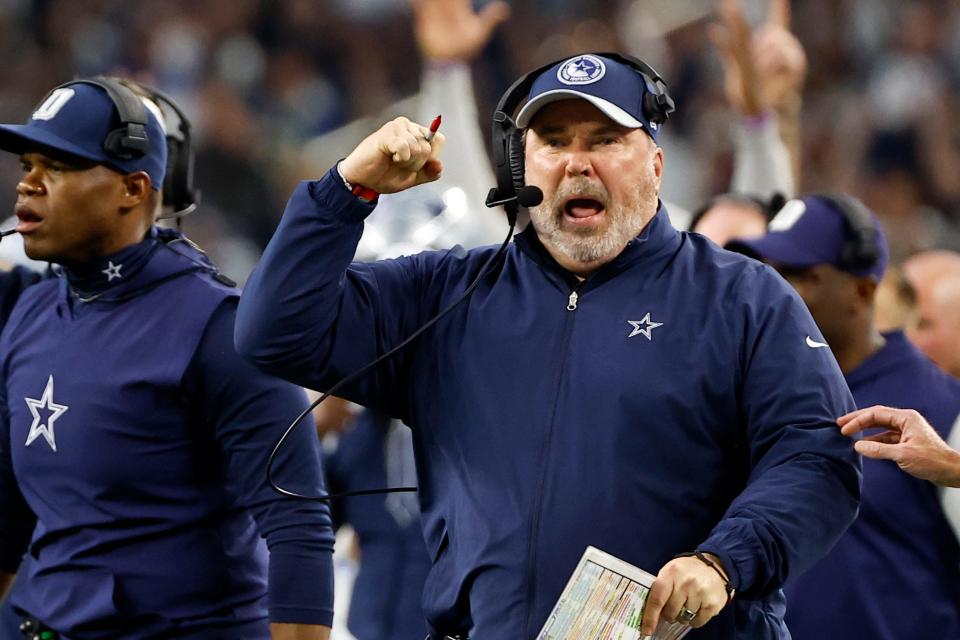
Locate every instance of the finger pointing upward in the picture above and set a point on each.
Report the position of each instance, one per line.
(779, 14)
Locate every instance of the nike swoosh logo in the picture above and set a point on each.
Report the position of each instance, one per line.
(813, 344)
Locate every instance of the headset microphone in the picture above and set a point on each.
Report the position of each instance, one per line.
(528, 196)
(8, 232)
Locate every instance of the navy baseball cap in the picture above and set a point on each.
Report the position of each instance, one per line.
(611, 86)
(815, 230)
(75, 120)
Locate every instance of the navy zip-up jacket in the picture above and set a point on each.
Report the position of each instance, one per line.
(133, 445)
(673, 402)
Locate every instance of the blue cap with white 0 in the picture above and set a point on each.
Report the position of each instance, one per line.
(615, 88)
(81, 120)
(820, 229)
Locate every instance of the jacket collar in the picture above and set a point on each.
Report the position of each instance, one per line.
(106, 272)
(655, 242)
(163, 255)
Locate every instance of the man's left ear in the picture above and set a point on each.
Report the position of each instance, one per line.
(658, 162)
(136, 188)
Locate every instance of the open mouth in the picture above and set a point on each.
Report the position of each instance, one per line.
(28, 220)
(582, 210)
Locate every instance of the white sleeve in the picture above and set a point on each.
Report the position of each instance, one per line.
(950, 497)
(447, 89)
(761, 159)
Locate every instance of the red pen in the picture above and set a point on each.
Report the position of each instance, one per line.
(433, 129)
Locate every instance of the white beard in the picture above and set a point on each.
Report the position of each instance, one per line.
(587, 245)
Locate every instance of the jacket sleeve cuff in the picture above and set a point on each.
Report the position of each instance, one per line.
(335, 201)
(737, 551)
(726, 562)
(301, 589)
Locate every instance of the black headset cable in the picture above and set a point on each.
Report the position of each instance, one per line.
(484, 270)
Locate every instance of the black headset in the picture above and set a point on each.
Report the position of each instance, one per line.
(130, 140)
(859, 251)
(179, 191)
(507, 138)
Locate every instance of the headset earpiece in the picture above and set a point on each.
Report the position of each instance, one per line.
(130, 139)
(505, 137)
(658, 106)
(175, 192)
(128, 142)
(515, 158)
(859, 250)
(657, 103)
(179, 192)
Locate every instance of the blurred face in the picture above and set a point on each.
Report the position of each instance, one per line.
(895, 303)
(64, 208)
(727, 220)
(600, 183)
(831, 295)
(937, 333)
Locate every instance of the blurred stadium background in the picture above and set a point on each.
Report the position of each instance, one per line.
(279, 89)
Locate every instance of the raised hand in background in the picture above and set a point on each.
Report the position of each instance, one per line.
(763, 69)
(450, 30)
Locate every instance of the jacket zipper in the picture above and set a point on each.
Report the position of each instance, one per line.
(544, 456)
(574, 298)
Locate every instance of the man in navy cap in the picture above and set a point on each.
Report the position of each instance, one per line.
(896, 572)
(610, 381)
(133, 439)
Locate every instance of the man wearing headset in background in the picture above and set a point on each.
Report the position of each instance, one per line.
(611, 381)
(134, 439)
(896, 572)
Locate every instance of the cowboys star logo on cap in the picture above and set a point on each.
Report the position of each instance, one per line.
(614, 87)
(581, 70)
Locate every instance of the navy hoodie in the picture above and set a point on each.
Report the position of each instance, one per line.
(668, 402)
(132, 459)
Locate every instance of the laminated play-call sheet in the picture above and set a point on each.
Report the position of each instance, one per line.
(604, 600)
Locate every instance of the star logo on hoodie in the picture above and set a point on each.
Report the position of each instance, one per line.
(643, 327)
(40, 426)
(112, 271)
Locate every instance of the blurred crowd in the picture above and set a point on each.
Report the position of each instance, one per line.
(276, 89)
